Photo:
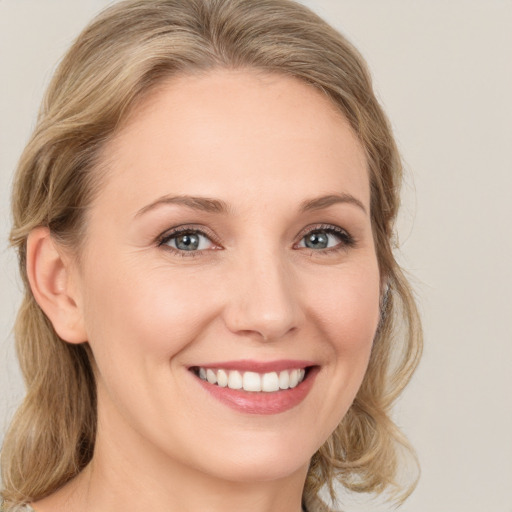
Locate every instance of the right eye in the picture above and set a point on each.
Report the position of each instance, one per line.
(187, 240)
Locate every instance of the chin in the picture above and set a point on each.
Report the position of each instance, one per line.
(268, 470)
(263, 460)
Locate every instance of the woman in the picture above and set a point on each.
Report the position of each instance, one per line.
(213, 316)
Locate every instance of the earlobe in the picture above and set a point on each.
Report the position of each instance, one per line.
(48, 272)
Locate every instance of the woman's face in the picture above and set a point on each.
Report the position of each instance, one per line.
(230, 242)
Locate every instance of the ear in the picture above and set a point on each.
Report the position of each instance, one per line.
(49, 273)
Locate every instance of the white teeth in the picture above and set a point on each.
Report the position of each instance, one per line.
(222, 378)
(235, 380)
(284, 380)
(270, 382)
(294, 378)
(211, 377)
(252, 381)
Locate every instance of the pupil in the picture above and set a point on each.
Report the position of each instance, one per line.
(317, 240)
(187, 242)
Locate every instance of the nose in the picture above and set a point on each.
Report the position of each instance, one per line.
(263, 298)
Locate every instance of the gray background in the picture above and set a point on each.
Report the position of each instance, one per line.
(443, 72)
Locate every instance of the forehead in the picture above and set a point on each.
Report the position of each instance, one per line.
(235, 134)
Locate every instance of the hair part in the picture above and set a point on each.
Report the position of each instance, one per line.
(119, 58)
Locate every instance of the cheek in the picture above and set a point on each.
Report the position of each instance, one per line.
(140, 320)
(348, 309)
(138, 313)
(348, 313)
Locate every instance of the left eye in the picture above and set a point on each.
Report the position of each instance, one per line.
(321, 239)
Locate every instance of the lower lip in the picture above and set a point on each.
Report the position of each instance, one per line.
(262, 402)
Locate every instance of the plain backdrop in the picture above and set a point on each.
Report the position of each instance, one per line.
(443, 71)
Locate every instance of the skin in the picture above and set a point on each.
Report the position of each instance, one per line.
(263, 144)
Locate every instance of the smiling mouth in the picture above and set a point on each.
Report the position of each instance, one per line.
(269, 382)
(258, 387)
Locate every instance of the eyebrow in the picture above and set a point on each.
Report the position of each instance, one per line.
(318, 203)
(210, 205)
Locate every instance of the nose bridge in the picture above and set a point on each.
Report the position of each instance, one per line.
(263, 298)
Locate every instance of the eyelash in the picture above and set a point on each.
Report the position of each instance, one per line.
(346, 240)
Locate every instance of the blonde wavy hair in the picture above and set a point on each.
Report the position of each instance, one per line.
(123, 54)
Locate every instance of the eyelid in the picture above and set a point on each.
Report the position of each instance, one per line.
(323, 227)
(346, 238)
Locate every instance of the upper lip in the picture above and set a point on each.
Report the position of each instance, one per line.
(247, 365)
